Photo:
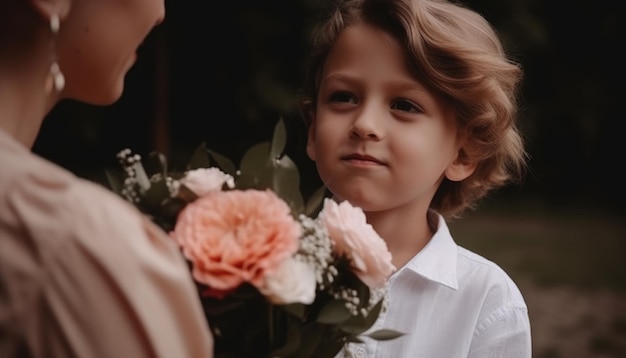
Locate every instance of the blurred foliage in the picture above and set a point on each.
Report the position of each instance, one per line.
(234, 68)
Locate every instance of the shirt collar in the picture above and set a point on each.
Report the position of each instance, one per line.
(437, 261)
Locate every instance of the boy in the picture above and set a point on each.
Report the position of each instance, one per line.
(411, 111)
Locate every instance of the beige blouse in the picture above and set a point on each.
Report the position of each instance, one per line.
(83, 274)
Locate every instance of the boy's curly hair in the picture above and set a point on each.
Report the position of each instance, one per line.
(457, 53)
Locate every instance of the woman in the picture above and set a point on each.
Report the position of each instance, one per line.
(82, 274)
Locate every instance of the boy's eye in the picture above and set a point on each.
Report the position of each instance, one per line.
(342, 97)
(406, 106)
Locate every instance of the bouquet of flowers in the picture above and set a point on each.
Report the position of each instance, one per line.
(277, 277)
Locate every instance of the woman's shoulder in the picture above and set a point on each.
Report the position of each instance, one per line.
(58, 221)
(52, 207)
(51, 218)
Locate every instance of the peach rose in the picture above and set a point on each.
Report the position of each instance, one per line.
(205, 180)
(236, 236)
(358, 241)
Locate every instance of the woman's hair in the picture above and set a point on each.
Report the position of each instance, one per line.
(455, 52)
(19, 27)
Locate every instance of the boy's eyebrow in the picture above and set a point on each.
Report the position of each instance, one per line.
(338, 76)
(404, 84)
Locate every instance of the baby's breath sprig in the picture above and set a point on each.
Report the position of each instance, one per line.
(136, 180)
(316, 250)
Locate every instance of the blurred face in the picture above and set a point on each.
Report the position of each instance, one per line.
(380, 138)
(98, 43)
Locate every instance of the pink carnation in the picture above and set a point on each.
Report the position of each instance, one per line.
(236, 236)
(358, 241)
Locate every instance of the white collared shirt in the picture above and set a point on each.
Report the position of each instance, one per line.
(451, 303)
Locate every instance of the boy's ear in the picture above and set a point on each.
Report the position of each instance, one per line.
(461, 168)
(47, 8)
(310, 143)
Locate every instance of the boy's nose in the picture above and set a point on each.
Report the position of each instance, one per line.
(368, 124)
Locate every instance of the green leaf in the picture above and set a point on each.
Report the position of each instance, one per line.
(385, 334)
(359, 324)
(330, 348)
(199, 158)
(354, 339)
(155, 196)
(350, 279)
(292, 341)
(156, 163)
(186, 194)
(279, 139)
(255, 171)
(334, 312)
(225, 164)
(363, 291)
(286, 183)
(314, 335)
(314, 204)
(170, 208)
(115, 180)
(296, 309)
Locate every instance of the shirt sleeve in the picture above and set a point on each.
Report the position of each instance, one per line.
(504, 334)
(83, 274)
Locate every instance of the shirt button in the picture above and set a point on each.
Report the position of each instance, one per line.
(360, 352)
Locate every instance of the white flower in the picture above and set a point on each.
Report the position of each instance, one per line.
(358, 241)
(205, 180)
(292, 281)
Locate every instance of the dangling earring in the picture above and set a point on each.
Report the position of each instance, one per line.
(56, 80)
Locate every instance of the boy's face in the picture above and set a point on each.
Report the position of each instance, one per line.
(380, 138)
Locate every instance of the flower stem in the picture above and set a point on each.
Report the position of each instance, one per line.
(270, 319)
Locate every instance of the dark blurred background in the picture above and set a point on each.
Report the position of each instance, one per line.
(225, 72)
